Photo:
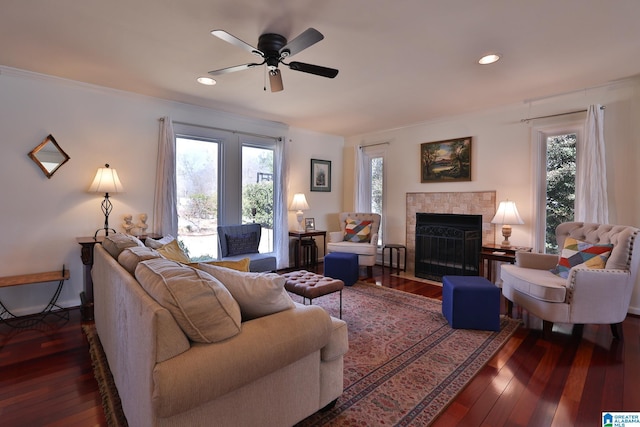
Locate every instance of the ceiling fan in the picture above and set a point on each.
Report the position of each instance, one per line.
(274, 49)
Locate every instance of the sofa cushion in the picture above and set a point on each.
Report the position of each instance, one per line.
(246, 243)
(130, 257)
(351, 247)
(577, 253)
(239, 265)
(158, 243)
(258, 294)
(258, 262)
(539, 284)
(358, 231)
(116, 243)
(174, 252)
(201, 305)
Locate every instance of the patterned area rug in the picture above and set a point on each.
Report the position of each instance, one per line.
(405, 364)
(110, 400)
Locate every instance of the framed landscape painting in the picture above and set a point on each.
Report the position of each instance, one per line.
(445, 161)
(320, 175)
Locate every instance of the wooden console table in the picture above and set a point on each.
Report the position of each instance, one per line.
(86, 254)
(25, 279)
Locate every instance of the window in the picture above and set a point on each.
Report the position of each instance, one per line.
(257, 191)
(197, 192)
(222, 178)
(556, 180)
(372, 183)
(561, 185)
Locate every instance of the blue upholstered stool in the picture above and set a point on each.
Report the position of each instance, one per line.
(471, 302)
(343, 266)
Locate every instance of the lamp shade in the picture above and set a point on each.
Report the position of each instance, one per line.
(507, 214)
(106, 181)
(299, 202)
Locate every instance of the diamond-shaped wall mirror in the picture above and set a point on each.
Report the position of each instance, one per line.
(49, 156)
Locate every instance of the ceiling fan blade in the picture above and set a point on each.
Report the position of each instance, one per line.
(308, 38)
(229, 38)
(233, 69)
(313, 69)
(275, 80)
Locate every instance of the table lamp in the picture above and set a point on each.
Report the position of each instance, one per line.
(106, 181)
(507, 215)
(299, 203)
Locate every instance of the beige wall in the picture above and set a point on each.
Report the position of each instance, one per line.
(40, 218)
(501, 156)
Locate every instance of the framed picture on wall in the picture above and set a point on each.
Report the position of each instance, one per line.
(320, 175)
(445, 161)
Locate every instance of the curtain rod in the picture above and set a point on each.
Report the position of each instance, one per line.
(275, 138)
(556, 115)
(373, 145)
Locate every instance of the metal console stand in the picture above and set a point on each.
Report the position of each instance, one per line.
(12, 320)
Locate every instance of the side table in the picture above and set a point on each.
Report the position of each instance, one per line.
(394, 247)
(492, 253)
(310, 234)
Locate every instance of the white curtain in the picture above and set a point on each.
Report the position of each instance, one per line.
(281, 224)
(165, 213)
(362, 201)
(591, 203)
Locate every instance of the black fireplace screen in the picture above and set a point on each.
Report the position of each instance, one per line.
(447, 244)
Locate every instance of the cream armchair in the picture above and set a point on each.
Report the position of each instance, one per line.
(366, 246)
(587, 295)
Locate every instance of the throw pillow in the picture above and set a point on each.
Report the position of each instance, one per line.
(116, 243)
(577, 253)
(246, 243)
(130, 257)
(173, 252)
(258, 294)
(358, 231)
(239, 265)
(158, 243)
(203, 308)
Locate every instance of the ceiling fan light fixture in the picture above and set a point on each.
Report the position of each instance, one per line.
(207, 81)
(273, 49)
(489, 59)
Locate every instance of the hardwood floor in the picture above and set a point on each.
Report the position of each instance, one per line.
(46, 377)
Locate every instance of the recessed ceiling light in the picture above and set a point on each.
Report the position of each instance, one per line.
(489, 59)
(206, 81)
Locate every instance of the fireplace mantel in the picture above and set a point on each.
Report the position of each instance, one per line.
(475, 203)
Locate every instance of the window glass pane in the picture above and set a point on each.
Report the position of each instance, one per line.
(561, 185)
(377, 174)
(257, 191)
(197, 189)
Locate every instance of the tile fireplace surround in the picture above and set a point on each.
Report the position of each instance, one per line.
(474, 203)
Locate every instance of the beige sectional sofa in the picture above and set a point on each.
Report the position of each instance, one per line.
(242, 366)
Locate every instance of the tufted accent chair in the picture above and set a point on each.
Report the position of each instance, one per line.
(366, 250)
(595, 296)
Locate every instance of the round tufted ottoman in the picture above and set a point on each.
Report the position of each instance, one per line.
(311, 285)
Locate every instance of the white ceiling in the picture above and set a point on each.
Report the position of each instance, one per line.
(401, 62)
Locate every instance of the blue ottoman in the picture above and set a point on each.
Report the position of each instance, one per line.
(471, 302)
(343, 266)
